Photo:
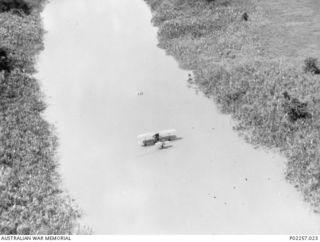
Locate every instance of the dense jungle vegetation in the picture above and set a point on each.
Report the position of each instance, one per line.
(31, 201)
(275, 101)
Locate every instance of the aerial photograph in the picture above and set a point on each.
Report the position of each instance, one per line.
(159, 117)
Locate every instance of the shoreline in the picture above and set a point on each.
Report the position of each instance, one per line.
(248, 89)
(31, 199)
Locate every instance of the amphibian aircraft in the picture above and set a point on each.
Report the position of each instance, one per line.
(160, 139)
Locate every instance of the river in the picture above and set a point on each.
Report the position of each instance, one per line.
(98, 56)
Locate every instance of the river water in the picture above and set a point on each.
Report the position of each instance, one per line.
(98, 56)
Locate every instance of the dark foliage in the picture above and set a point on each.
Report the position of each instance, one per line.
(245, 17)
(311, 65)
(286, 96)
(294, 108)
(297, 110)
(15, 6)
(5, 64)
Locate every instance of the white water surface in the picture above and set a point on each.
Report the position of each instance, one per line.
(98, 55)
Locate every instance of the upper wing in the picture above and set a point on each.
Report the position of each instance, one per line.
(168, 134)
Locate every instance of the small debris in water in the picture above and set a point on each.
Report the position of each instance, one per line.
(209, 194)
(234, 187)
(140, 93)
(246, 179)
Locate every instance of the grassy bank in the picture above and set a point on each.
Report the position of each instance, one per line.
(31, 201)
(276, 102)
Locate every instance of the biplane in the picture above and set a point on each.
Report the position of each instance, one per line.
(160, 139)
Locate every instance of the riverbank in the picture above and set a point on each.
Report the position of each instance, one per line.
(31, 199)
(241, 57)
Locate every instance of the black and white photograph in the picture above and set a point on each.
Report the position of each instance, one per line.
(159, 117)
